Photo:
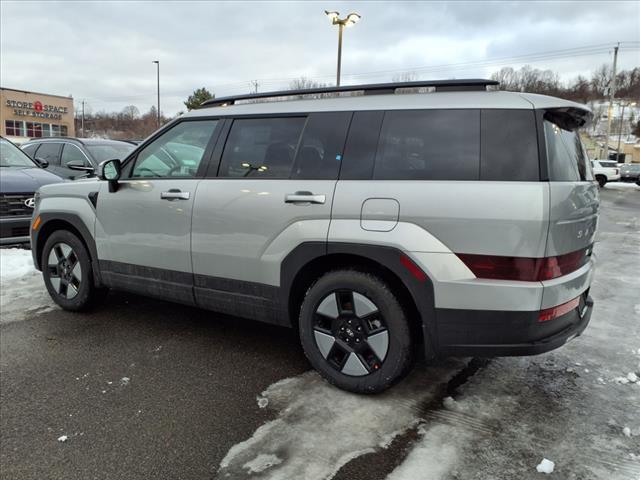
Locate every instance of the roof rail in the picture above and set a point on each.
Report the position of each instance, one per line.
(368, 89)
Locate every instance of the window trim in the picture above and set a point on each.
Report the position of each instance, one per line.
(128, 163)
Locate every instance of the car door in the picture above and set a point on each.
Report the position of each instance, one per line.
(143, 230)
(274, 190)
(71, 154)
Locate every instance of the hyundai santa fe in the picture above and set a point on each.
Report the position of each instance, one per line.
(385, 227)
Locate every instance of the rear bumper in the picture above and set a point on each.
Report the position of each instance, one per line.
(494, 334)
(14, 230)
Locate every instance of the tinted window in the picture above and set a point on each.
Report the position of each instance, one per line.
(49, 152)
(72, 154)
(177, 152)
(360, 151)
(30, 149)
(109, 151)
(608, 164)
(566, 156)
(261, 147)
(509, 149)
(429, 145)
(320, 151)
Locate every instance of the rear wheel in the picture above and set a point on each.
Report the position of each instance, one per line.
(354, 332)
(602, 180)
(68, 273)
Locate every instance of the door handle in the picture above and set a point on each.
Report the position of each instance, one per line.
(304, 197)
(175, 194)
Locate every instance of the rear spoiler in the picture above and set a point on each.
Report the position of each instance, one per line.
(568, 118)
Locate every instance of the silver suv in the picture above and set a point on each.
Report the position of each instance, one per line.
(385, 227)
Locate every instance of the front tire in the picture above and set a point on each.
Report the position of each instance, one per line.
(68, 273)
(354, 332)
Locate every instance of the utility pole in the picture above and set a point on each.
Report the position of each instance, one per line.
(255, 85)
(82, 121)
(612, 94)
(157, 62)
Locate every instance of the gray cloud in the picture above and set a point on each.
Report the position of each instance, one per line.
(102, 52)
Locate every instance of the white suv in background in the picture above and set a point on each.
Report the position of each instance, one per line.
(605, 171)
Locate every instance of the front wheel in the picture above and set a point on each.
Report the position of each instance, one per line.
(354, 332)
(68, 273)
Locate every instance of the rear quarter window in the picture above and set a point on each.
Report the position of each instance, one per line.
(429, 145)
(509, 150)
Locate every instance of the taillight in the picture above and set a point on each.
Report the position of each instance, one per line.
(414, 269)
(558, 311)
(525, 269)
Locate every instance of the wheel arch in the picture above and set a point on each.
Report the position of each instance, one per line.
(309, 261)
(51, 223)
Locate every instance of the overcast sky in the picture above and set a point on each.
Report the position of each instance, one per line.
(102, 51)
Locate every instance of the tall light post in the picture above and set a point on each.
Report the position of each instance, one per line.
(632, 104)
(348, 21)
(157, 62)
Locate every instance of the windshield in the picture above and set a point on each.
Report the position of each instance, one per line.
(12, 156)
(110, 151)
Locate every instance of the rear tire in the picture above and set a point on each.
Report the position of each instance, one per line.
(602, 180)
(68, 272)
(354, 332)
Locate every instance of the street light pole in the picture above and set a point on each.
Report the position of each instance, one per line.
(157, 62)
(349, 20)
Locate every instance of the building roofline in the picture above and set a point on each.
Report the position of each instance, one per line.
(36, 93)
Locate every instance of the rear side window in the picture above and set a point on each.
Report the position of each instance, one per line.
(429, 145)
(49, 152)
(509, 149)
(320, 150)
(261, 147)
(567, 158)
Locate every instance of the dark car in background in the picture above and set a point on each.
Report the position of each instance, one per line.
(20, 178)
(74, 157)
(630, 172)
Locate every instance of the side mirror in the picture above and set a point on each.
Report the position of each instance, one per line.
(80, 167)
(110, 170)
(43, 163)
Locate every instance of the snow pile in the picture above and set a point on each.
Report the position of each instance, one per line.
(630, 378)
(545, 466)
(436, 453)
(21, 287)
(321, 428)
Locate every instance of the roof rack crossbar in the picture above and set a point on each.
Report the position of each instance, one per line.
(374, 88)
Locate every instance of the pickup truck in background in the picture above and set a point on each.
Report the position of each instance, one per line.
(605, 171)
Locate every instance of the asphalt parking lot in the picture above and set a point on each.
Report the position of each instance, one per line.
(144, 389)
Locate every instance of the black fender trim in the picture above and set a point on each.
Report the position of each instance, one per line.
(78, 224)
(421, 291)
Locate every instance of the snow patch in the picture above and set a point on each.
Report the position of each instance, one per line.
(545, 466)
(321, 428)
(632, 377)
(436, 453)
(262, 462)
(262, 401)
(626, 431)
(63, 438)
(22, 290)
(124, 381)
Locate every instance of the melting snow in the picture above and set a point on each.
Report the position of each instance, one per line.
(545, 466)
(261, 463)
(63, 438)
(311, 413)
(21, 287)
